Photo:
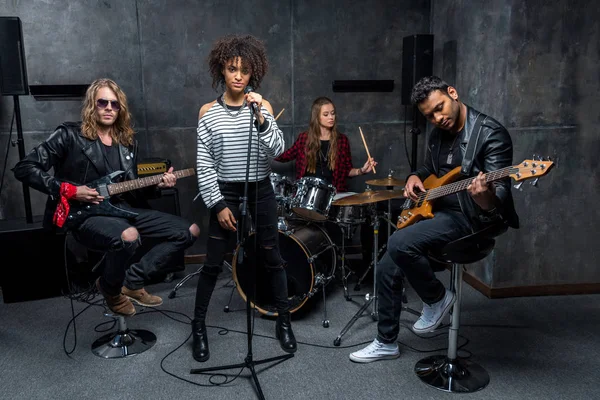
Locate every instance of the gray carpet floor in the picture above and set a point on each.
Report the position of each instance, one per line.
(532, 347)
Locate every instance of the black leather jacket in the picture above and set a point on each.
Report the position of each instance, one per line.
(77, 160)
(492, 152)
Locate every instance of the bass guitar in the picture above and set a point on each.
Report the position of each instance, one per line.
(414, 211)
(106, 187)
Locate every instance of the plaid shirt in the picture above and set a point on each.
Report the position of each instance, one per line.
(343, 164)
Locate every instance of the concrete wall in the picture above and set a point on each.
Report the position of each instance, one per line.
(156, 50)
(533, 65)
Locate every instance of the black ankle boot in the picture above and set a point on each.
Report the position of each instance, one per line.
(283, 332)
(200, 341)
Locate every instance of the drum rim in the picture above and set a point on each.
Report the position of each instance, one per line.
(321, 216)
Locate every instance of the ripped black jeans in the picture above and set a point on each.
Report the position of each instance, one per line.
(262, 206)
(169, 233)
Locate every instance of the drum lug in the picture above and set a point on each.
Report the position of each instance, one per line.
(318, 279)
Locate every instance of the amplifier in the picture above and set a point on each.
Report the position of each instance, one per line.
(153, 166)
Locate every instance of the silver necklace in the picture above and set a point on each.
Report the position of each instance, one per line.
(227, 108)
(449, 159)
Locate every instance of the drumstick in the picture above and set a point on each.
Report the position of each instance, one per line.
(366, 148)
(280, 112)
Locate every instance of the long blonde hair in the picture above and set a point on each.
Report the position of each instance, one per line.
(313, 142)
(122, 130)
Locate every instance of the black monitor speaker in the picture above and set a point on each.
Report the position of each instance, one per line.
(417, 62)
(13, 71)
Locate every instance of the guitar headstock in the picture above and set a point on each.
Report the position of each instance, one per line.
(530, 169)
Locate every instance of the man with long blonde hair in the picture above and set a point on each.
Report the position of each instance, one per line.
(79, 153)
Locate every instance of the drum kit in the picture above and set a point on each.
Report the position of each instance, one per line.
(303, 208)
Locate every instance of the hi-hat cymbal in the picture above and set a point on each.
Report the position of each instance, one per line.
(389, 181)
(370, 196)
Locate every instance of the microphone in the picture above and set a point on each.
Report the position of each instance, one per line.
(254, 107)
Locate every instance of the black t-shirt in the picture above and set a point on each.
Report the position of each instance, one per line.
(111, 158)
(322, 170)
(450, 144)
(112, 163)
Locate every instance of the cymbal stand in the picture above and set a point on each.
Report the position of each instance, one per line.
(385, 217)
(369, 299)
(345, 271)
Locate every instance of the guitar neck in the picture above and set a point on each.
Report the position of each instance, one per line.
(121, 187)
(456, 187)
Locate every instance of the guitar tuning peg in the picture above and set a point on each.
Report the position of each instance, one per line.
(518, 186)
(534, 182)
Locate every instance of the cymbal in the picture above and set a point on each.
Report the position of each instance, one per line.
(370, 196)
(389, 181)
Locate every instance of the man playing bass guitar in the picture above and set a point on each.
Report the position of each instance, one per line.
(462, 137)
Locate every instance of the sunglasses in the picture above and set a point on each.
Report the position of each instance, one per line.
(103, 103)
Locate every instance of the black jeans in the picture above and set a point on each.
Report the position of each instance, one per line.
(170, 234)
(406, 256)
(263, 206)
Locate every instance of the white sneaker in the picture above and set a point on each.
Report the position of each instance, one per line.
(432, 315)
(376, 351)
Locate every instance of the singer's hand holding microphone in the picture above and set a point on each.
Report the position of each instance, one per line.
(254, 101)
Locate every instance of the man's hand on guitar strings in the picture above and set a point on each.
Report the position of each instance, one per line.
(413, 182)
(482, 193)
(88, 195)
(168, 180)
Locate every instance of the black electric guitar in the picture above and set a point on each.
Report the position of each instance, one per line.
(414, 211)
(79, 211)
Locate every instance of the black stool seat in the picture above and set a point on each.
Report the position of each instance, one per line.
(449, 372)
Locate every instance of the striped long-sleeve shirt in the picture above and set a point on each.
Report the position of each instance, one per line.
(222, 149)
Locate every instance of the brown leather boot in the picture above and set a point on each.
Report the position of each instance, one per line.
(142, 297)
(118, 304)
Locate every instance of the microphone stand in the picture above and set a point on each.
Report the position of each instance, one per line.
(249, 362)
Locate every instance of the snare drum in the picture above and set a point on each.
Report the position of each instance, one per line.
(313, 198)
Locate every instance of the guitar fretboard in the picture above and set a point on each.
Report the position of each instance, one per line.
(462, 185)
(121, 187)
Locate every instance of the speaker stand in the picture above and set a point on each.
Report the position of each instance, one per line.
(415, 131)
(21, 146)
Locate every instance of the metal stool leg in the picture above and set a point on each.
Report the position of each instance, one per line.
(451, 373)
(123, 342)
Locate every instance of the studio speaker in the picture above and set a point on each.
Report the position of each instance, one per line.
(417, 62)
(13, 71)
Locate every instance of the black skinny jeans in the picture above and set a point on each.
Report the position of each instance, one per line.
(406, 255)
(170, 233)
(263, 206)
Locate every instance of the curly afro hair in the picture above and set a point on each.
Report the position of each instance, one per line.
(251, 51)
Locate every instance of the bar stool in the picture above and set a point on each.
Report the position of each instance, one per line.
(123, 342)
(449, 372)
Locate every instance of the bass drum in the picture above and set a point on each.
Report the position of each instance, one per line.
(311, 259)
